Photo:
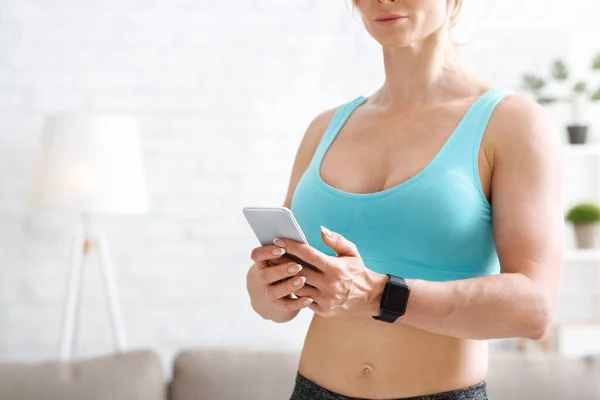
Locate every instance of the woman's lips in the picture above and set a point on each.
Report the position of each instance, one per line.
(389, 19)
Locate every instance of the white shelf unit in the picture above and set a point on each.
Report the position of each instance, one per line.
(582, 255)
(577, 151)
(582, 150)
(567, 336)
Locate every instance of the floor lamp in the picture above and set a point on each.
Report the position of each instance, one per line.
(89, 165)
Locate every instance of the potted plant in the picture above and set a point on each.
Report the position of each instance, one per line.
(575, 94)
(585, 219)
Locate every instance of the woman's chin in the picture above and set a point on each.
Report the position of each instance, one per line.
(394, 42)
(393, 38)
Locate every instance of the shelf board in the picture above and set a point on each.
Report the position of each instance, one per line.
(581, 150)
(582, 255)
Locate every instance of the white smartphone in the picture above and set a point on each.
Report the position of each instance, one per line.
(270, 223)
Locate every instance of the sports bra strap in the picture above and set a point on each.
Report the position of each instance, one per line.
(335, 125)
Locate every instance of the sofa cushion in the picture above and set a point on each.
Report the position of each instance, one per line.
(230, 374)
(126, 376)
(543, 376)
(226, 374)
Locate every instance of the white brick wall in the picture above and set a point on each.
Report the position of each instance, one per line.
(223, 91)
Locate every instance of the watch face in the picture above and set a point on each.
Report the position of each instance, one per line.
(397, 297)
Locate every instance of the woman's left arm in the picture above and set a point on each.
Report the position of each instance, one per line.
(528, 228)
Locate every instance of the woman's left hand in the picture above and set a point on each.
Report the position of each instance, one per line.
(343, 285)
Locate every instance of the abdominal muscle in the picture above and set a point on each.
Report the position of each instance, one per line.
(370, 359)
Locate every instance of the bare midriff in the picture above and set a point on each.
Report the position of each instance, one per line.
(365, 358)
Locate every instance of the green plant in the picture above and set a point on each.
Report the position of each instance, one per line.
(585, 213)
(575, 92)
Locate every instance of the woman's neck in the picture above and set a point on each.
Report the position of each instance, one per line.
(421, 73)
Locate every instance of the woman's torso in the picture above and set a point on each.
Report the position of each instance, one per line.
(412, 193)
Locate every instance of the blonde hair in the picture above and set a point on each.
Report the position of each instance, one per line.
(454, 17)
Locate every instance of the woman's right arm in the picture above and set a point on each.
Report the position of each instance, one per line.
(269, 286)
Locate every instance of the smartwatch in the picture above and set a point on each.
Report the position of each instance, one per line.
(394, 299)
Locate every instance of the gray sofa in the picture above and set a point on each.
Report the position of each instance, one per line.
(229, 374)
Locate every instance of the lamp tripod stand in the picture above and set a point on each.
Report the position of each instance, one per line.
(84, 243)
(89, 164)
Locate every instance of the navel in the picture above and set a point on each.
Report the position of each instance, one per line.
(367, 370)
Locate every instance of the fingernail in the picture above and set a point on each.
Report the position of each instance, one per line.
(278, 251)
(279, 242)
(307, 302)
(294, 268)
(298, 281)
(326, 231)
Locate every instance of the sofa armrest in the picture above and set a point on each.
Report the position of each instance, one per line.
(127, 376)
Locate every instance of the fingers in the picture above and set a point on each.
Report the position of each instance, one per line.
(320, 311)
(309, 291)
(266, 253)
(341, 245)
(284, 288)
(281, 260)
(278, 272)
(306, 253)
(295, 304)
(314, 278)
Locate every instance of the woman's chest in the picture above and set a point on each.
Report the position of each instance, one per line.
(429, 224)
(371, 154)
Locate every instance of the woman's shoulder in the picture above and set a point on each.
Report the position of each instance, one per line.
(518, 115)
(519, 122)
(310, 141)
(316, 129)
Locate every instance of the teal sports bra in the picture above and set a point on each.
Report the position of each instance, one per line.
(435, 226)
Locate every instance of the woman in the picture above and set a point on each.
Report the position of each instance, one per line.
(437, 178)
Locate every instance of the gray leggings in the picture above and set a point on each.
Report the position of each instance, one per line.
(308, 390)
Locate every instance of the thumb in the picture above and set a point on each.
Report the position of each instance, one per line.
(341, 245)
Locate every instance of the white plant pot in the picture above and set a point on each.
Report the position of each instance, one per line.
(586, 235)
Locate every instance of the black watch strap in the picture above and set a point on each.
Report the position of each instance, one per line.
(388, 315)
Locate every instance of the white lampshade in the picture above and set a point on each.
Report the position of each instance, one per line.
(90, 164)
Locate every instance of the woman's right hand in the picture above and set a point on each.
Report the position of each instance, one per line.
(279, 277)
